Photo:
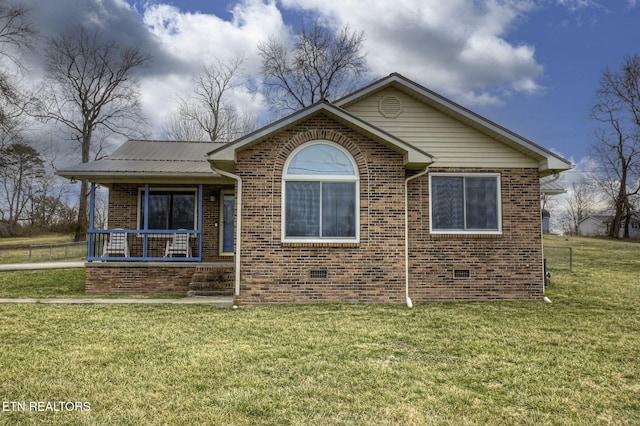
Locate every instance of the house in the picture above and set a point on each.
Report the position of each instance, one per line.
(593, 226)
(393, 194)
(598, 226)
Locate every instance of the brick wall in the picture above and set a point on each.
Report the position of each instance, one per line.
(138, 278)
(506, 266)
(368, 271)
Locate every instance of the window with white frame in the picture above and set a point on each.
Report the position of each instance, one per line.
(321, 194)
(465, 203)
(169, 209)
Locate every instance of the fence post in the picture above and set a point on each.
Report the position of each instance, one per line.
(571, 259)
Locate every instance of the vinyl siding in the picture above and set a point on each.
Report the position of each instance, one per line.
(453, 143)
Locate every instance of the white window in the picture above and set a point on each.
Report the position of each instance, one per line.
(320, 194)
(465, 203)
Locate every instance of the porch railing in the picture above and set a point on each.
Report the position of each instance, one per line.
(145, 245)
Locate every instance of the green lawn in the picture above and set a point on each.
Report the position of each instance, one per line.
(43, 283)
(16, 250)
(574, 361)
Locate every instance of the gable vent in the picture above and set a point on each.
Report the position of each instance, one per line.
(390, 106)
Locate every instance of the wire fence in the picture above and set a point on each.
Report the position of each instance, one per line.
(63, 251)
(559, 257)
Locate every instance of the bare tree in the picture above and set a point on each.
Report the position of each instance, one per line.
(16, 35)
(617, 148)
(91, 87)
(580, 202)
(20, 169)
(208, 115)
(320, 65)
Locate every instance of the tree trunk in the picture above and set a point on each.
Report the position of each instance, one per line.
(83, 213)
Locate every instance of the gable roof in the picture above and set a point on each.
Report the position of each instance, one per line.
(414, 158)
(548, 161)
(149, 161)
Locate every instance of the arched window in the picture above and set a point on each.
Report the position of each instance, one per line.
(321, 194)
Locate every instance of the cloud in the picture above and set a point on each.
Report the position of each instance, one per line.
(457, 47)
(460, 48)
(179, 42)
(575, 5)
(196, 39)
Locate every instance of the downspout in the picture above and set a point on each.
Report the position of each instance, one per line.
(555, 178)
(406, 232)
(238, 223)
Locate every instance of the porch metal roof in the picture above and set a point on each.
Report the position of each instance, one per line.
(149, 161)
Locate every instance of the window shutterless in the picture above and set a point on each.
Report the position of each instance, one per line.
(465, 203)
(169, 209)
(320, 187)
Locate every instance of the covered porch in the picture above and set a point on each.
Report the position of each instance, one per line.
(170, 225)
(173, 234)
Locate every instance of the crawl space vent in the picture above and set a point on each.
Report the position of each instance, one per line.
(461, 273)
(390, 106)
(318, 274)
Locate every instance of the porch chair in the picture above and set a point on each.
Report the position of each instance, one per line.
(116, 245)
(179, 245)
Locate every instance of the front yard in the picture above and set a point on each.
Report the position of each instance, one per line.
(574, 361)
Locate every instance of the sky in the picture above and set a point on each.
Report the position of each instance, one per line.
(532, 66)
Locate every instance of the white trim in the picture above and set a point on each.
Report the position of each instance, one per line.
(168, 189)
(355, 178)
(224, 192)
(468, 231)
(238, 233)
(414, 157)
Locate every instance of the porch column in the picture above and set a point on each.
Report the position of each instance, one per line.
(145, 213)
(92, 217)
(200, 198)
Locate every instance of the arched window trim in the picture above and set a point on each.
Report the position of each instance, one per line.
(355, 178)
(302, 147)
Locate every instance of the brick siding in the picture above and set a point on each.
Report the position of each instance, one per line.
(501, 267)
(506, 266)
(138, 278)
(368, 271)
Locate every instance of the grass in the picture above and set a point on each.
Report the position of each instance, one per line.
(42, 239)
(42, 283)
(56, 283)
(574, 361)
(16, 250)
